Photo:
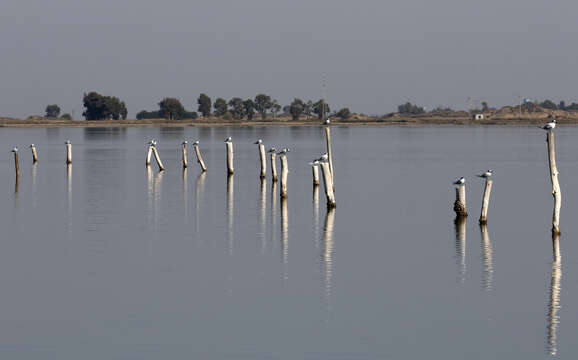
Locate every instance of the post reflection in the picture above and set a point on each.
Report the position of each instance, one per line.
(34, 187)
(154, 185)
(150, 194)
(185, 195)
(274, 212)
(316, 216)
(230, 212)
(263, 213)
(327, 249)
(284, 237)
(460, 229)
(199, 195)
(554, 300)
(68, 197)
(487, 258)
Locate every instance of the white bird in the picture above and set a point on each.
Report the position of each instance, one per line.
(31, 146)
(152, 142)
(67, 142)
(283, 151)
(272, 150)
(258, 142)
(15, 150)
(550, 126)
(185, 142)
(487, 174)
(323, 158)
(327, 121)
(196, 142)
(314, 162)
(460, 181)
(228, 139)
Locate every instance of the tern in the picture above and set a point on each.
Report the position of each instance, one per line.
(326, 122)
(283, 151)
(31, 146)
(258, 142)
(314, 162)
(67, 142)
(196, 142)
(272, 150)
(487, 174)
(323, 158)
(15, 150)
(228, 140)
(185, 142)
(460, 181)
(550, 126)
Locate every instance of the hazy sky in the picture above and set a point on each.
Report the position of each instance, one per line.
(374, 54)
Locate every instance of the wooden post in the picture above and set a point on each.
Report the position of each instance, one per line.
(486, 202)
(328, 183)
(460, 203)
(16, 163)
(555, 184)
(158, 159)
(263, 158)
(184, 150)
(284, 173)
(149, 154)
(199, 157)
(554, 301)
(329, 155)
(34, 154)
(315, 169)
(273, 166)
(230, 168)
(68, 152)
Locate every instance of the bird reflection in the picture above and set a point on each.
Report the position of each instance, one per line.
(263, 213)
(199, 192)
(460, 229)
(488, 266)
(327, 255)
(284, 236)
(230, 210)
(316, 215)
(554, 301)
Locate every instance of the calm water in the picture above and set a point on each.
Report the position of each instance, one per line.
(109, 261)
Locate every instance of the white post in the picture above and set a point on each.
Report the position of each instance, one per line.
(263, 158)
(329, 154)
(555, 184)
(284, 173)
(34, 154)
(16, 163)
(184, 151)
(273, 167)
(315, 169)
(149, 154)
(158, 159)
(68, 152)
(486, 202)
(230, 168)
(328, 183)
(199, 157)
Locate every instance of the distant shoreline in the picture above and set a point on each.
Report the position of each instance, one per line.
(395, 121)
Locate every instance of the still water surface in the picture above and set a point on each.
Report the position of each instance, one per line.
(111, 261)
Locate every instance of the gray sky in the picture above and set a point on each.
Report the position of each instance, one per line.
(375, 54)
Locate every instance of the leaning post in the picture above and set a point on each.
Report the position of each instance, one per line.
(556, 193)
(485, 202)
(199, 157)
(328, 182)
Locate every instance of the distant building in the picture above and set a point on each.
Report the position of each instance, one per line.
(478, 116)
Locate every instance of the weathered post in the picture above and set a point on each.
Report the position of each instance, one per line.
(184, 151)
(555, 184)
(16, 163)
(273, 158)
(229, 144)
(460, 202)
(486, 202)
(328, 183)
(263, 158)
(68, 152)
(199, 157)
(329, 155)
(34, 154)
(284, 173)
(158, 159)
(149, 152)
(315, 169)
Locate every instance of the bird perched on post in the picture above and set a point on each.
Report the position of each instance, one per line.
(323, 158)
(272, 150)
(487, 174)
(549, 126)
(460, 181)
(258, 142)
(283, 151)
(228, 140)
(15, 150)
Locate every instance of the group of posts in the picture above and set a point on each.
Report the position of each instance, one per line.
(460, 201)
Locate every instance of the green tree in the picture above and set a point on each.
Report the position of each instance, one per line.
(52, 111)
(66, 116)
(562, 105)
(141, 115)
(296, 109)
(237, 108)
(263, 104)
(321, 109)
(99, 107)
(275, 108)
(344, 114)
(548, 104)
(410, 109)
(171, 109)
(249, 109)
(308, 109)
(485, 106)
(220, 106)
(204, 105)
